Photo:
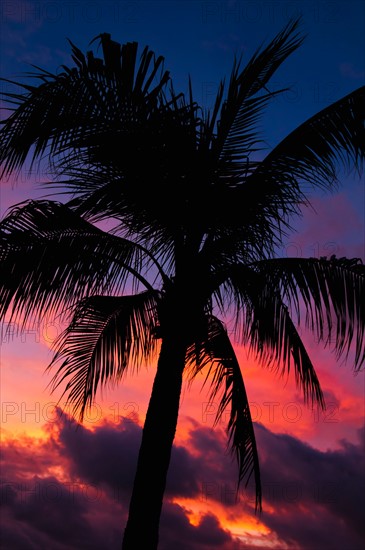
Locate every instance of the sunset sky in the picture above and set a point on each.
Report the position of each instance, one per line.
(67, 487)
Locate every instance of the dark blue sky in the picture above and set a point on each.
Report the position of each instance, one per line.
(200, 38)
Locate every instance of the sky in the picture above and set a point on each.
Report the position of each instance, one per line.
(66, 486)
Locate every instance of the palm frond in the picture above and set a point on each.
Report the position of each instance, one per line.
(263, 197)
(225, 377)
(236, 136)
(107, 335)
(272, 336)
(260, 209)
(263, 322)
(51, 258)
(332, 292)
(313, 152)
(78, 107)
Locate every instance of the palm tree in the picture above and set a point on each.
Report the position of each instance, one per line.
(196, 222)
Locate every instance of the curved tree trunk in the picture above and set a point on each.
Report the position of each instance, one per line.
(141, 532)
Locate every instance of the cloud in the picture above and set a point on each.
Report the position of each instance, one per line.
(327, 488)
(45, 512)
(179, 534)
(105, 456)
(71, 491)
(348, 70)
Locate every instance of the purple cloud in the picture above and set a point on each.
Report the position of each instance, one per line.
(311, 497)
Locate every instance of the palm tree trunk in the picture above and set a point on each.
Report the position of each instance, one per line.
(142, 527)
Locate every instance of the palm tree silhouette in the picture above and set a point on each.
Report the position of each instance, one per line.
(197, 219)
